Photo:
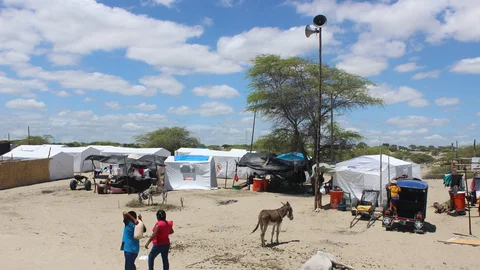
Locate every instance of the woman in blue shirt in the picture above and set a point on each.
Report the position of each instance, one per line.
(130, 245)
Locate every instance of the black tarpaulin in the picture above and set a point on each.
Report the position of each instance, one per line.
(265, 162)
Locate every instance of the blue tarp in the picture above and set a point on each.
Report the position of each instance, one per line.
(292, 156)
(416, 184)
(190, 158)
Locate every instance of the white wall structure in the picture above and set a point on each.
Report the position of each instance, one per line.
(60, 166)
(190, 174)
(360, 173)
(225, 162)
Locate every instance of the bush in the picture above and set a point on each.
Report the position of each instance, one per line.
(421, 158)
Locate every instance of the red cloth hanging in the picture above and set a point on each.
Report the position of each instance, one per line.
(236, 177)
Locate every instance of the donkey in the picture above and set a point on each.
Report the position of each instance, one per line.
(153, 190)
(273, 217)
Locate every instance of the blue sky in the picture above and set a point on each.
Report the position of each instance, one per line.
(89, 70)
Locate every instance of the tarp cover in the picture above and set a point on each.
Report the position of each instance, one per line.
(191, 158)
(265, 162)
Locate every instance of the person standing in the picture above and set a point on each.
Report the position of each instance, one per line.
(394, 195)
(130, 245)
(160, 239)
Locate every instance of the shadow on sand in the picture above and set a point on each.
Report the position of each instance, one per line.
(281, 243)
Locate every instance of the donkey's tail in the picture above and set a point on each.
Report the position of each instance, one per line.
(258, 223)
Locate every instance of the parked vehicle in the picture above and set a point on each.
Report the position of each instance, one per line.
(411, 206)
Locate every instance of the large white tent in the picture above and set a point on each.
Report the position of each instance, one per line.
(225, 161)
(190, 172)
(185, 151)
(114, 150)
(60, 166)
(79, 154)
(360, 173)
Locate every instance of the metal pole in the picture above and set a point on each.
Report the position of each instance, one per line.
(226, 174)
(474, 146)
(331, 128)
(318, 195)
(381, 180)
(468, 203)
(253, 130)
(28, 135)
(456, 149)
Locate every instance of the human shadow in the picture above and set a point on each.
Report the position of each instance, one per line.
(281, 243)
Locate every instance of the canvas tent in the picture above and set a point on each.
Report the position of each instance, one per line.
(79, 154)
(185, 151)
(190, 172)
(225, 162)
(360, 173)
(60, 166)
(113, 150)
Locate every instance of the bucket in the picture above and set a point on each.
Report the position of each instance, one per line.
(459, 201)
(265, 185)
(342, 207)
(335, 198)
(257, 185)
(236, 187)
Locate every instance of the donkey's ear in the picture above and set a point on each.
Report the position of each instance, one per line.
(282, 203)
(287, 203)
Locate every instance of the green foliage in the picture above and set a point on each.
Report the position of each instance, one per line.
(421, 158)
(285, 91)
(36, 140)
(170, 138)
(109, 143)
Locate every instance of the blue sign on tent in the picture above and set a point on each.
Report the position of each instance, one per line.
(190, 158)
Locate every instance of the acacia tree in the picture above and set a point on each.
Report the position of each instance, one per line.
(170, 138)
(285, 91)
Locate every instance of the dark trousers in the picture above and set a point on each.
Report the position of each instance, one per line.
(130, 260)
(163, 250)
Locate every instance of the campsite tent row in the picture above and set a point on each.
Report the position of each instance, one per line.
(65, 161)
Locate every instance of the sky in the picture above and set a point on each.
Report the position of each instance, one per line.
(85, 70)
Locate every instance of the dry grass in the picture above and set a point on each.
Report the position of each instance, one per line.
(134, 203)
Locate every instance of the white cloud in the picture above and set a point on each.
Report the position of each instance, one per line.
(418, 103)
(271, 40)
(182, 110)
(409, 132)
(407, 67)
(13, 57)
(212, 108)
(26, 104)
(165, 83)
(468, 65)
(86, 24)
(444, 101)
(229, 3)
(207, 21)
(167, 3)
(20, 87)
(144, 106)
(79, 92)
(429, 74)
(114, 105)
(361, 65)
(417, 121)
(216, 91)
(435, 137)
(62, 93)
(80, 80)
(392, 95)
(87, 99)
(478, 114)
(63, 59)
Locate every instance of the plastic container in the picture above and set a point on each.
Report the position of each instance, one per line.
(265, 184)
(335, 198)
(115, 190)
(342, 207)
(257, 185)
(459, 201)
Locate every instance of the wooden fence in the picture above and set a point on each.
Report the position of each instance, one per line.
(16, 173)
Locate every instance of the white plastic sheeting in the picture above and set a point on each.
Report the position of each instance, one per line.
(225, 162)
(190, 175)
(360, 173)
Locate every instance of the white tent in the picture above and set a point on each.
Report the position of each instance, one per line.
(190, 172)
(225, 162)
(60, 166)
(113, 150)
(360, 173)
(79, 154)
(185, 151)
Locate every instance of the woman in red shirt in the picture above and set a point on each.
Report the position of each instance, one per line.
(160, 239)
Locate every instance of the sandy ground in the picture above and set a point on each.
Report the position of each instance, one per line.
(47, 226)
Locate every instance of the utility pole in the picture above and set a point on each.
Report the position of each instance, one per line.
(28, 135)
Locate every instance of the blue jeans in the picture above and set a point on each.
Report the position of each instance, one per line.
(163, 250)
(130, 260)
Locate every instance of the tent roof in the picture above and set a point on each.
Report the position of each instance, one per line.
(188, 159)
(216, 153)
(128, 150)
(371, 162)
